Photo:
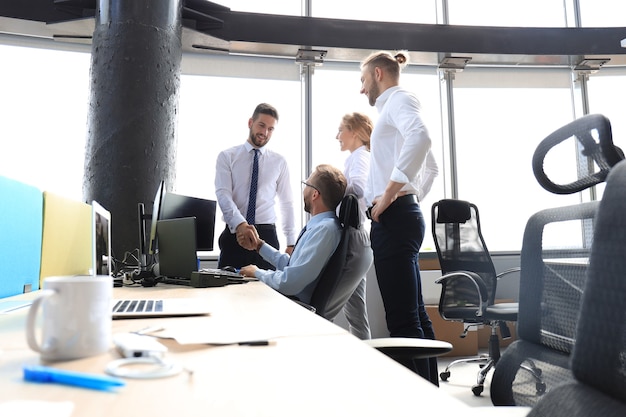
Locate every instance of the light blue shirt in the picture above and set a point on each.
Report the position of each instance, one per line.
(297, 275)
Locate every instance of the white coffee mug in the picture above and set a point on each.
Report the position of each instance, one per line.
(76, 320)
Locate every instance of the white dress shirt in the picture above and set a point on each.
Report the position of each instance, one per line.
(428, 173)
(399, 144)
(356, 170)
(232, 187)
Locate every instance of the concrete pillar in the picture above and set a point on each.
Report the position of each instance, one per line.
(135, 78)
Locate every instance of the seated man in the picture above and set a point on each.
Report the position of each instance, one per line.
(296, 276)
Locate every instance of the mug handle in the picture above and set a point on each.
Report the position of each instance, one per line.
(30, 322)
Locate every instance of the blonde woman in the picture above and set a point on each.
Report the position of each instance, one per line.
(354, 136)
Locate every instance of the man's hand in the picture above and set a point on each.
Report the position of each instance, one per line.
(289, 250)
(247, 236)
(248, 271)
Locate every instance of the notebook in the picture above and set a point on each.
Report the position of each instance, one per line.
(167, 307)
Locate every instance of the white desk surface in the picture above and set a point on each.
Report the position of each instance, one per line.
(312, 367)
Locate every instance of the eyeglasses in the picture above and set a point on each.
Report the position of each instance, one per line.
(312, 186)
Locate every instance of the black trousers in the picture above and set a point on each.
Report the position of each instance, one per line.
(232, 254)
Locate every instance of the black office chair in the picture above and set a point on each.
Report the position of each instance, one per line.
(335, 287)
(598, 358)
(469, 281)
(553, 277)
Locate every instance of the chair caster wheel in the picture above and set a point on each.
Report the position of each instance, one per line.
(477, 390)
(444, 376)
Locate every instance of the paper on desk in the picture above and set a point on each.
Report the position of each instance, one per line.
(214, 334)
(24, 408)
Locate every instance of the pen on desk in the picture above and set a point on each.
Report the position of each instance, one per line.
(255, 343)
(44, 374)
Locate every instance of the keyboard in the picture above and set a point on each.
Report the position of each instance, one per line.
(222, 272)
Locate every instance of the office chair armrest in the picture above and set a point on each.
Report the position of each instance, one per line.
(508, 272)
(476, 280)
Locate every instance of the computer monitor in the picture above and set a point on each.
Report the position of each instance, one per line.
(156, 215)
(176, 206)
(101, 243)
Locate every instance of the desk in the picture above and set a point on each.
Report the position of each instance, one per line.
(313, 368)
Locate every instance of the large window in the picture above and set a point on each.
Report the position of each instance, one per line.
(527, 13)
(44, 106)
(501, 116)
(214, 113)
(389, 11)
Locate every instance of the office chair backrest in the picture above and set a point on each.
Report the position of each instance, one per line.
(598, 358)
(460, 245)
(554, 270)
(334, 286)
(594, 141)
(552, 277)
(599, 355)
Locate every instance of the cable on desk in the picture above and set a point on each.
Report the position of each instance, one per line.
(161, 368)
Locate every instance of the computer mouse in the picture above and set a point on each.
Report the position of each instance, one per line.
(229, 269)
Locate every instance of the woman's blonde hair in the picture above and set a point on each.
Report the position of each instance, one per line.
(361, 125)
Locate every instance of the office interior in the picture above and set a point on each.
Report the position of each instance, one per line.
(486, 108)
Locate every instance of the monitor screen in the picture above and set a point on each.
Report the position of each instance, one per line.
(156, 212)
(101, 244)
(176, 206)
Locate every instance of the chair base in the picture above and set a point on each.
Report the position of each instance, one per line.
(487, 362)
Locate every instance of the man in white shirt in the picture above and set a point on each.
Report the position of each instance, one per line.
(297, 275)
(233, 180)
(400, 146)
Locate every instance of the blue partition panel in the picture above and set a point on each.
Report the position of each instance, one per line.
(21, 221)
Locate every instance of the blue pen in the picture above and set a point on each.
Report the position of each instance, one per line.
(44, 374)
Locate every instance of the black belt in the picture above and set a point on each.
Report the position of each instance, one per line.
(268, 226)
(404, 200)
(265, 226)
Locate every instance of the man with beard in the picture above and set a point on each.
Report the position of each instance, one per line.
(401, 170)
(248, 179)
(296, 275)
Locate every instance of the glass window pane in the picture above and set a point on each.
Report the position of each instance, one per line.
(44, 117)
(603, 100)
(214, 114)
(528, 13)
(497, 132)
(602, 13)
(284, 7)
(336, 92)
(391, 11)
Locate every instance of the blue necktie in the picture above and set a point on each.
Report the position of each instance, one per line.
(251, 214)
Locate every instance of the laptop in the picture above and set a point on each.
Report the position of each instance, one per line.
(166, 307)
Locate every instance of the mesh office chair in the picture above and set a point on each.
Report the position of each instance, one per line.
(598, 358)
(469, 280)
(335, 286)
(341, 276)
(552, 276)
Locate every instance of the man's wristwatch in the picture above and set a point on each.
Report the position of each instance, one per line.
(260, 245)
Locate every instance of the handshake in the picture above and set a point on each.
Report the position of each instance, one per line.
(248, 237)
